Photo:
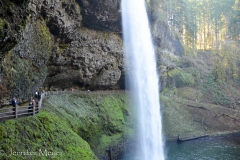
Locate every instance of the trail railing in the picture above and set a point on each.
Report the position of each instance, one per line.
(23, 111)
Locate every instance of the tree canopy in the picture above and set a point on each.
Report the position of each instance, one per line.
(201, 24)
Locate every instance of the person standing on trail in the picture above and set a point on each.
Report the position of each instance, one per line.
(33, 103)
(39, 95)
(14, 104)
(36, 94)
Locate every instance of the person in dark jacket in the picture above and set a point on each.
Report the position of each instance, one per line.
(39, 96)
(36, 95)
(14, 104)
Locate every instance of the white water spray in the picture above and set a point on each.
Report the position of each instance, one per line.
(144, 81)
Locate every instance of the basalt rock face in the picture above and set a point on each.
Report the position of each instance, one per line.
(24, 67)
(63, 44)
(163, 40)
(57, 47)
(102, 15)
(62, 16)
(167, 49)
(13, 15)
(81, 57)
(93, 60)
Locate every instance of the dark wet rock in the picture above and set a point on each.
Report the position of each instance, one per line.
(165, 41)
(93, 59)
(13, 16)
(104, 15)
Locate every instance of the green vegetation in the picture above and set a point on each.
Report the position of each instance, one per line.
(17, 72)
(189, 51)
(2, 24)
(189, 118)
(200, 24)
(185, 79)
(44, 38)
(214, 90)
(213, 82)
(226, 63)
(177, 120)
(98, 119)
(39, 133)
(63, 46)
(179, 77)
(70, 124)
(83, 126)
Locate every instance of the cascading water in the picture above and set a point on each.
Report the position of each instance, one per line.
(140, 56)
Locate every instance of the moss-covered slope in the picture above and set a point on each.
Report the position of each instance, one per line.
(70, 126)
(43, 132)
(101, 120)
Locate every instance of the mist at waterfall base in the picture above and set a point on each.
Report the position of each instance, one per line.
(141, 63)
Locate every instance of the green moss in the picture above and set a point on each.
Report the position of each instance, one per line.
(107, 141)
(95, 118)
(180, 77)
(177, 120)
(184, 79)
(19, 71)
(23, 74)
(63, 46)
(173, 72)
(2, 23)
(189, 51)
(2, 131)
(189, 93)
(216, 91)
(112, 108)
(44, 36)
(169, 91)
(46, 132)
(72, 124)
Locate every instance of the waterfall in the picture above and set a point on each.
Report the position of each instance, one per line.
(140, 58)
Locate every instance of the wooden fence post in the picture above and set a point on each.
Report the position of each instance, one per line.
(40, 103)
(16, 111)
(34, 108)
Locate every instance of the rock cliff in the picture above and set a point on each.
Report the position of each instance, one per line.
(65, 44)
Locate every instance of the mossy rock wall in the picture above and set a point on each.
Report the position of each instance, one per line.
(13, 18)
(24, 67)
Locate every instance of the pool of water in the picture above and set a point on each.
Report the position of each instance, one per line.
(209, 148)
